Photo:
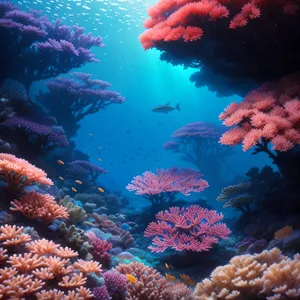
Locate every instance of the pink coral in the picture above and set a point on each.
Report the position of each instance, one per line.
(192, 228)
(19, 173)
(268, 114)
(174, 179)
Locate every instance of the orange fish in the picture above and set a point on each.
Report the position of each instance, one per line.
(131, 278)
(78, 181)
(100, 190)
(166, 265)
(74, 190)
(60, 162)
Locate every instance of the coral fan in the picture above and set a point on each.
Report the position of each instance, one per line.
(38, 49)
(268, 275)
(192, 228)
(150, 284)
(19, 173)
(38, 206)
(163, 186)
(25, 275)
(237, 36)
(76, 98)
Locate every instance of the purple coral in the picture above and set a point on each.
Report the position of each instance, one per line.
(116, 283)
(163, 186)
(101, 293)
(77, 97)
(84, 169)
(192, 228)
(37, 137)
(36, 48)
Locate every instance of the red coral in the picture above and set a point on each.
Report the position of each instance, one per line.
(268, 114)
(192, 228)
(171, 20)
(38, 206)
(100, 249)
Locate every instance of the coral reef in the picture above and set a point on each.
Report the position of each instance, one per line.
(44, 272)
(39, 49)
(162, 187)
(237, 37)
(192, 228)
(76, 97)
(268, 275)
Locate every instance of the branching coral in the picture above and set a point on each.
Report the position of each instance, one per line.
(39, 206)
(268, 275)
(77, 97)
(24, 275)
(37, 49)
(192, 228)
(269, 114)
(238, 36)
(150, 284)
(19, 173)
(162, 187)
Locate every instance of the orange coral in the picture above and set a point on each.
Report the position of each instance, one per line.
(24, 275)
(283, 232)
(75, 281)
(87, 266)
(12, 235)
(41, 247)
(65, 252)
(57, 265)
(187, 280)
(26, 262)
(38, 206)
(19, 173)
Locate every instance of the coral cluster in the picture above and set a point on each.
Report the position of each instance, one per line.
(43, 270)
(268, 275)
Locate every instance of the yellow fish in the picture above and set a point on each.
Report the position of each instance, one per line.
(78, 181)
(74, 190)
(99, 159)
(60, 162)
(61, 178)
(166, 265)
(90, 134)
(131, 278)
(100, 190)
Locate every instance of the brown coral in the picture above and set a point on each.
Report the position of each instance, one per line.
(268, 274)
(39, 206)
(283, 233)
(150, 284)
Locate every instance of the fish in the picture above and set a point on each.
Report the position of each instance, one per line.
(60, 162)
(165, 108)
(74, 190)
(131, 278)
(78, 181)
(100, 147)
(166, 265)
(61, 178)
(99, 159)
(100, 190)
(90, 134)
